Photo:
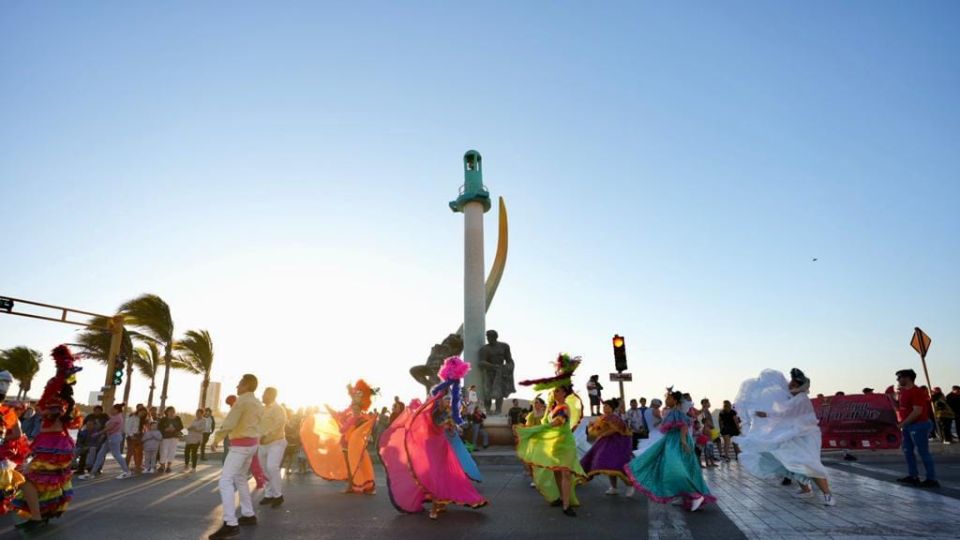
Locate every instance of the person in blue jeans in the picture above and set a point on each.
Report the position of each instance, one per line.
(913, 417)
(114, 444)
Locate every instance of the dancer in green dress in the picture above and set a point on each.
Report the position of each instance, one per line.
(669, 468)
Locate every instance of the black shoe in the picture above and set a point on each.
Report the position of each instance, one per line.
(247, 520)
(786, 482)
(569, 511)
(32, 524)
(277, 501)
(849, 457)
(557, 502)
(266, 500)
(909, 480)
(928, 483)
(226, 531)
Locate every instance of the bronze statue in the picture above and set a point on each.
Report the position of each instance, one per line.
(427, 373)
(496, 363)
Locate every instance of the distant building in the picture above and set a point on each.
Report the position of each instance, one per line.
(213, 397)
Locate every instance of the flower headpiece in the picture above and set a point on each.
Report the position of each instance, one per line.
(453, 370)
(58, 393)
(362, 393)
(564, 366)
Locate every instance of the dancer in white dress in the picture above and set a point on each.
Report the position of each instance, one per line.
(781, 437)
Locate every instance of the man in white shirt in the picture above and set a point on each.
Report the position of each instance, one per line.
(242, 427)
(273, 443)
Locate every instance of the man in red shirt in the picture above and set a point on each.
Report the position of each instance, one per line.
(913, 418)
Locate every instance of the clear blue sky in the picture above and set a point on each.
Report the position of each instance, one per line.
(279, 173)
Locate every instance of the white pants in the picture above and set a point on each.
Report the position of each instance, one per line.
(271, 458)
(233, 479)
(168, 450)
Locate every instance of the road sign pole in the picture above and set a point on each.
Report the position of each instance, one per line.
(921, 344)
(622, 406)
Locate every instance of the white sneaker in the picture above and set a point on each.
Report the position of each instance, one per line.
(612, 491)
(696, 503)
(124, 475)
(533, 484)
(85, 476)
(804, 494)
(630, 491)
(150, 471)
(828, 500)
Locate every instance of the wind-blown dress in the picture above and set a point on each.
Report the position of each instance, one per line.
(787, 442)
(50, 473)
(664, 471)
(14, 450)
(425, 460)
(546, 448)
(611, 452)
(324, 440)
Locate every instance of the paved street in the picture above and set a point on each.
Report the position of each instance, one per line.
(179, 506)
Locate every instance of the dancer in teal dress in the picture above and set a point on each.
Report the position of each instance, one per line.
(669, 468)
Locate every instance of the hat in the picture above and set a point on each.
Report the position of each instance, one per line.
(565, 366)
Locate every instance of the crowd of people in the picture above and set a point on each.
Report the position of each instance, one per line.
(658, 448)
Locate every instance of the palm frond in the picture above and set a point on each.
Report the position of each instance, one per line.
(197, 349)
(151, 316)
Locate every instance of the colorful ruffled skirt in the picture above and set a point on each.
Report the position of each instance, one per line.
(608, 456)
(50, 473)
(665, 471)
(425, 462)
(339, 456)
(547, 449)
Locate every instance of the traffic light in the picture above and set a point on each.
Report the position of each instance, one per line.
(118, 369)
(620, 352)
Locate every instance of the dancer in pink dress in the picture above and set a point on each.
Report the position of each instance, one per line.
(423, 455)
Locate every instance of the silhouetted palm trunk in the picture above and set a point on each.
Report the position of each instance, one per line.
(150, 396)
(126, 387)
(167, 359)
(203, 391)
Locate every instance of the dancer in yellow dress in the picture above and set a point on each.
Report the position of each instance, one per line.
(550, 449)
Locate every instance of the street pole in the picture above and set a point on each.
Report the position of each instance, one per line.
(116, 339)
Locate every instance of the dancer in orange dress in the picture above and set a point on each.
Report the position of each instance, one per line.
(336, 444)
(14, 447)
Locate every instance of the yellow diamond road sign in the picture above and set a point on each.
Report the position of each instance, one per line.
(920, 342)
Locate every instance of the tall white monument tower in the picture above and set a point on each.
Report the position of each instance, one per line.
(473, 202)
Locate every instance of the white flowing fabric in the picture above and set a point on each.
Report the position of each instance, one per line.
(653, 431)
(788, 439)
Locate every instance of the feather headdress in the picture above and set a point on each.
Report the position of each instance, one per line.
(564, 366)
(58, 393)
(453, 370)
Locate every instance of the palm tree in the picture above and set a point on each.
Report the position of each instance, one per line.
(148, 361)
(149, 314)
(94, 342)
(197, 348)
(22, 363)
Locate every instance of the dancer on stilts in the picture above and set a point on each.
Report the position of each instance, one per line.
(781, 435)
(550, 449)
(423, 455)
(14, 447)
(612, 448)
(48, 490)
(669, 469)
(336, 447)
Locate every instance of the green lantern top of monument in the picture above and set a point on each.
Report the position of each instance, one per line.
(472, 189)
